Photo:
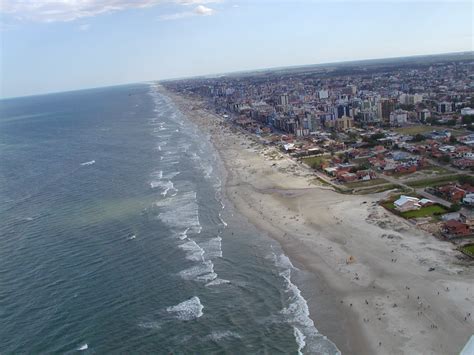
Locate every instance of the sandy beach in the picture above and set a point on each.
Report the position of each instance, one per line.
(370, 291)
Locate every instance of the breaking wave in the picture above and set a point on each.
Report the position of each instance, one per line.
(187, 310)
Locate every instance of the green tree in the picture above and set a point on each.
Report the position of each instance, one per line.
(432, 121)
(466, 179)
(445, 159)
(468, 119)
(418, 138)
(455, 207)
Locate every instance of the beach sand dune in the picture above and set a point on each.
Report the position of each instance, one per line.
(370, 290)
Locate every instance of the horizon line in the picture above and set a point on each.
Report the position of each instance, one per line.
(235, 72)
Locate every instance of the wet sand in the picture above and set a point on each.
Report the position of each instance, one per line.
(383, 300)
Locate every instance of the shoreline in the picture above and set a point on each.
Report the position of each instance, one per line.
(382, 300)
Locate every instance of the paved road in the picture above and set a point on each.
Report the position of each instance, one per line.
(419, 191)
(434, 198)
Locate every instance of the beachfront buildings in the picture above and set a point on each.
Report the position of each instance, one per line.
(355, 113)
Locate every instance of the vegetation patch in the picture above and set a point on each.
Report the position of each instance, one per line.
(319, 181)
(377, 189)
(428, 211)
(435, 181)
(373, 182)
(315, 162)
(435, 169)
(468, 250)
(413, 130)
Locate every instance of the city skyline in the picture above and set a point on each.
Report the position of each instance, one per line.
(78, 45)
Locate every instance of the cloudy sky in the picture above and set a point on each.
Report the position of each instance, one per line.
(58, 45)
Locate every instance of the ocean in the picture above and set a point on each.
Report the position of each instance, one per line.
(116, 236)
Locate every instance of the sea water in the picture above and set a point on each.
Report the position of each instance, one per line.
(115, 236)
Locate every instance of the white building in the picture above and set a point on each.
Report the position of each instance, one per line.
(407, 99)
(398, 117)
(467, 111)
(469, 199)
(323, 94)
(407, 203)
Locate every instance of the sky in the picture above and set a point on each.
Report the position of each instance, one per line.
(60, 45)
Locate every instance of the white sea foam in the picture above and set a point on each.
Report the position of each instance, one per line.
(88, 163)
(222, 334)
(193, 251)
(184, 234)
(184, 147)
(150, 325)
(201, 272)
(157, 174)
(297, 313)
(207, 277)
(222, 204)
(222, 220)
(298, 309)
(166, 186)
(83, 347)
(217, 282)
(187, 310)
(173, 174)
(180, 212)
(212, 247)
(299, 336)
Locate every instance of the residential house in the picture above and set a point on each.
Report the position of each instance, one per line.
(451, 193)
(454, 228)
(407, 203)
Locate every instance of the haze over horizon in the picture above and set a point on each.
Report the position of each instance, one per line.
(68, 45)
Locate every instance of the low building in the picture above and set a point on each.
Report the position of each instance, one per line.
(451, 193)
(469, 199)
(467, 111)
(454, 228)
(407, 203)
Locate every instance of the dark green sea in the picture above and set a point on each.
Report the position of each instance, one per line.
(115, 237)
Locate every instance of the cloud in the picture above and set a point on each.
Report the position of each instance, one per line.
(200, 10)
(67, 10)
(203, 11)
(70, 10)
(197, 2)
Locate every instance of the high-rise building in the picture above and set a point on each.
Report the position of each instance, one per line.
(423, 114)
(398, 117)
(284, 100)
(445, 107)
(384, 107)
(407, 99)
(344, 123)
